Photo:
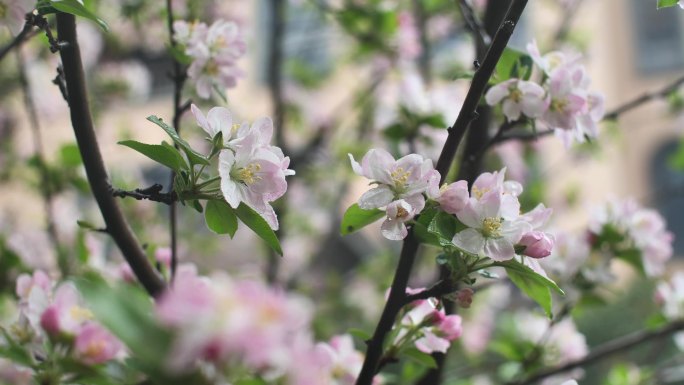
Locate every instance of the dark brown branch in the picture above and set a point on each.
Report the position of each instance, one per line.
(397, 293)
(82, 123)
(153, 193)
(607, 349)
(438, 290)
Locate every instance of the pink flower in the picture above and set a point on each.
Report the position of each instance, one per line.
(94, 345)
(406, 178)
(518, 96)
(27, 283)
(489, 233)
(345, 360)
(453, 197)
(214, 51)
(463, 297)
(398, 213)
(66, 314)
(537, 244)
(254, 174)
(566, 102)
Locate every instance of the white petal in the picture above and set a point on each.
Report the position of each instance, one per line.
(499, 249)
(393, 230)
(471, 215)
(220, 120)
(375, 198)
(470, 240)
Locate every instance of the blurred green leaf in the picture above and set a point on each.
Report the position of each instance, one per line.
(419, 357)
(355, 218)
(220, 218)
(70, 156)
(666, 3)
(76, 8)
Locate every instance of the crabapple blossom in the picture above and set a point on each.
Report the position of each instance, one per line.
(214, 51)
(95, 345)
(518, 96)
(66, 314)
(669, 295)
(453, 197)
(398, 213)
(644, 228)
(489, 233)
(218, 119)
(346, 361)
(406, 178)
(435, 329)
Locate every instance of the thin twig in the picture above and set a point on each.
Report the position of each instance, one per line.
(569, 13)
(153, 193)
(24, 35)
(607, 349)
(397, 293)
(179, 77)
(82, 123)
(474, 25)
(438, 290)
(46, 188)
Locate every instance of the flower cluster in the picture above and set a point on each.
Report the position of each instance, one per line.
(670, 296)
(496, 227)
(59, 314)
(563, 101)
(214, 51)
(426, 326)
(245, 324)
(640, 228)
(251, 170)
(400, 187)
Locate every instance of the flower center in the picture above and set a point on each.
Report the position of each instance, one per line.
(80, 314)
(491, 227)
(400, 177)
(559, 105)
(95, 349)
(401, 212)
(516, 95)
(478, 193)
(246, 174)
(212, 68)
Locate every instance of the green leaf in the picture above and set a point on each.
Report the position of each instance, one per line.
(259, 225)
(178, 53)
(444, 226)
(85, 225)
(76, 8)
(513, 64)
(421, 227)
(435, 120)
(421, 358)
(633, 257)
(355, 218)
(193, 156)
(220, 218)
(165, 155)
(70, 156)
(536, 286)
(666, 3)
(360, 334)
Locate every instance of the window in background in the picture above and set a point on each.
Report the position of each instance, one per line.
(658, 38)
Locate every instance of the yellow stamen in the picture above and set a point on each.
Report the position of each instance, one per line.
(478, 193)
(401, 212)
(211, 68)
(400, 177)
(558, 105)
(516, 95)
(246, 174)
(491, 227)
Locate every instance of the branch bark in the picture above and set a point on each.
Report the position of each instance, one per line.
(82, 123)
(609, 348)
(408, 253)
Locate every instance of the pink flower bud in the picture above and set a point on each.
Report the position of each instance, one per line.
(49, 321)
(464, 297)
(163, 256)
(454, 197)
(450, 327)
(537, 244)
(95, 345)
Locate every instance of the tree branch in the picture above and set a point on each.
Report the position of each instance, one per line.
(607, 349)
(24, 35)
(82, 123)
(153, 193)
(474, 25)
(397, 293)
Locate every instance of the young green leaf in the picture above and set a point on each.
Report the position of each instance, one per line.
(536, 286)
(220, 217)
(666, 3)
(193, 156)
(76, 8)
(168, 156)
(421, 358)
(355, 218)
(259, 225)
